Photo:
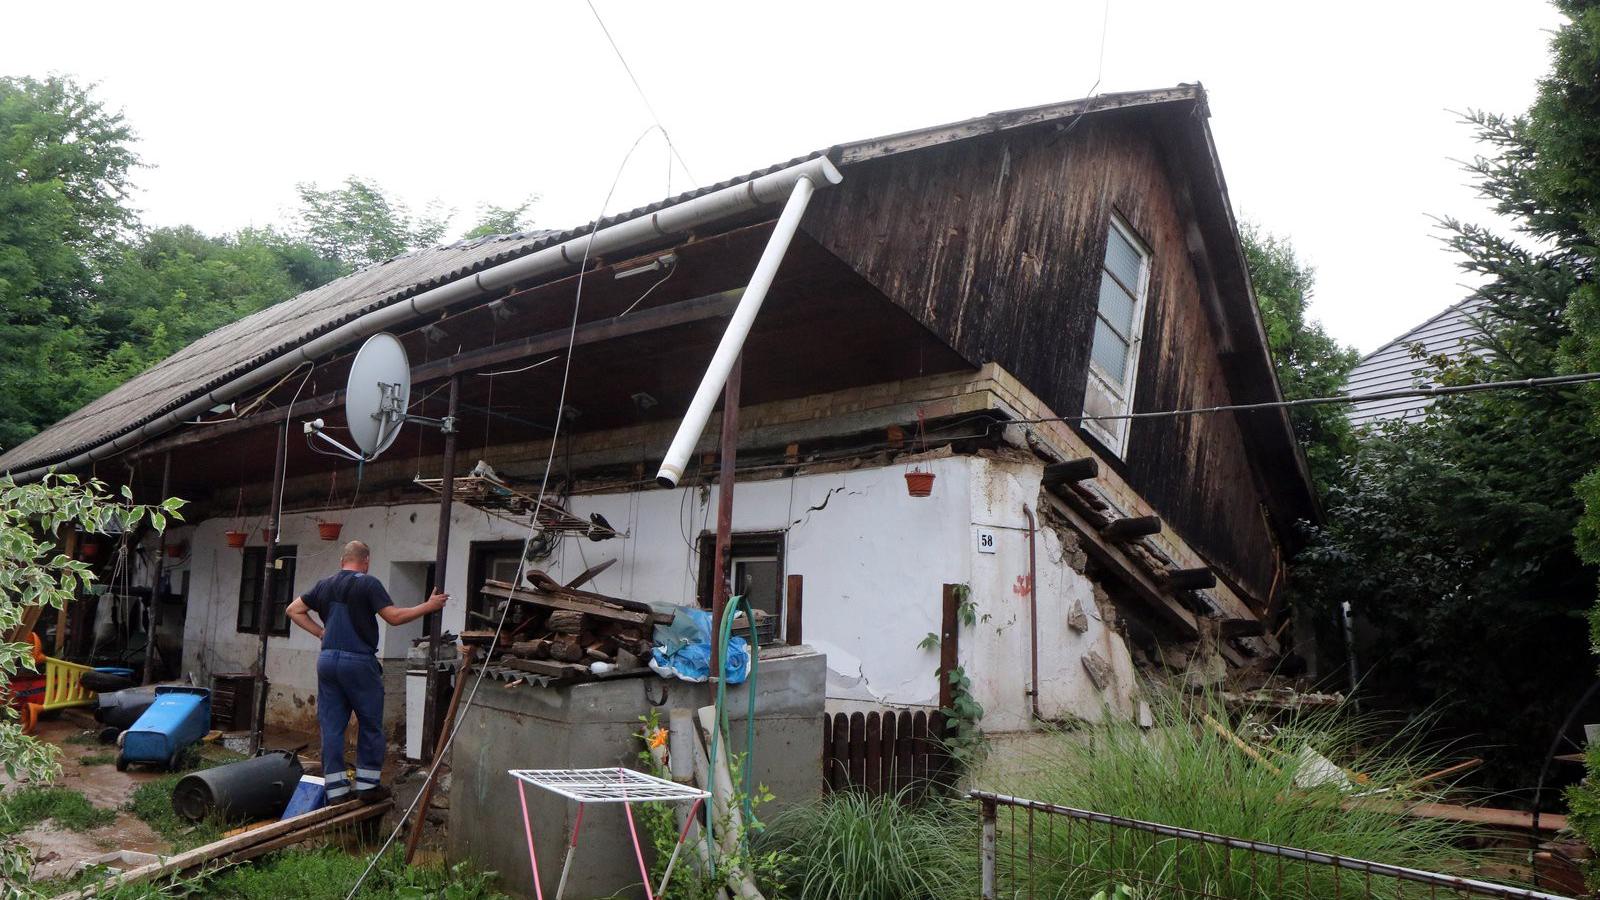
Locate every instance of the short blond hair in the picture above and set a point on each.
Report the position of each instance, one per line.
(355, 551)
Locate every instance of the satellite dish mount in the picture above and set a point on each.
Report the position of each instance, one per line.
(377, 395)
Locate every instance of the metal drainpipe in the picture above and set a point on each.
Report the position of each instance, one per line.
(1033, 615)
(744, 316)
(674, 221)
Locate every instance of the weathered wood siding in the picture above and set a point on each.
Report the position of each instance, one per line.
(996, 243)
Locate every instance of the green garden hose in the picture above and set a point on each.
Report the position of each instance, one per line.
(720, 721)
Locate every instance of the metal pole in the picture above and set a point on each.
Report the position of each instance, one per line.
(447, 494)
(727, 457)
(269, 584)
(989, 891)
(155, 587)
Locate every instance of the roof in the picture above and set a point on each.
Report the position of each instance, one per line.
(1394, 366)
(235, 349)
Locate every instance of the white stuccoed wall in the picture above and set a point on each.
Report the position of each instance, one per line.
(874, 561)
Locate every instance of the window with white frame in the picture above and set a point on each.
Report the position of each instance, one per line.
(1114, 353)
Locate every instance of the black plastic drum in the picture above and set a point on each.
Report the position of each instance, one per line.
(250, 789)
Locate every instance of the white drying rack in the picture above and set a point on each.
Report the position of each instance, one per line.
(613, 785)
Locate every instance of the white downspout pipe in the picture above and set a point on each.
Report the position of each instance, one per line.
(744, 316)
(673, 221)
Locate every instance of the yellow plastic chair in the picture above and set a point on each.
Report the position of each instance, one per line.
(63, 685)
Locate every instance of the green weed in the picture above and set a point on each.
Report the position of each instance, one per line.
(69, 809)
(97, 759)
(854, 845)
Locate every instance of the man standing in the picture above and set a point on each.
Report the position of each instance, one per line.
(349, 676)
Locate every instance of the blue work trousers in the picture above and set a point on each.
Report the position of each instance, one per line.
(350, 682)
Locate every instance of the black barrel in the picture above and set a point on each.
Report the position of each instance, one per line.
(123, 708)
(249, 789)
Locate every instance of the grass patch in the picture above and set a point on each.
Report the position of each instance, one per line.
(69, 809)
(152, 802)
(853, 845)
(83, 739)
(97, 759)
(322, 874)
(1182, 773)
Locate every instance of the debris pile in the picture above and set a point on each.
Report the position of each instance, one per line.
(568, 633)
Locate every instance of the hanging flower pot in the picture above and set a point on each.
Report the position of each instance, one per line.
(919, 483)
(88, 550)
(236, 539)
(174, 551)
(329, 531)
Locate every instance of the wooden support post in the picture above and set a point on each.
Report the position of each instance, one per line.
(154, 626)
(1190, 579)
(68, 535)
(462, 671)
(1131, 528)
(949, 644)
(1073, 470)
(793, 610)
(432, 711)
(269, 584)
(725, 478)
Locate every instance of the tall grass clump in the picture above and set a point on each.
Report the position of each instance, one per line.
(879, 847)
(1185, 772)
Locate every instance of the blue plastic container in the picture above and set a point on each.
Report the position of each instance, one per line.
(309, 795)
(178, 717)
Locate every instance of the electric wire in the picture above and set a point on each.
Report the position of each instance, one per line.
(533, 525)
(536, 365)
(640, 88)
(659, 282)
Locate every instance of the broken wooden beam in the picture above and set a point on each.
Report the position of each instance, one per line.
(1131, 527)
(1190, 579)
(1071, 471)
(1238, 628)
(546, 667)
(572, 601)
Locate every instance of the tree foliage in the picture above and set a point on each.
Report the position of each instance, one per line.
(64, 165)
(494, 220)
(1309, 362)
(1453, 537)
(359, 224)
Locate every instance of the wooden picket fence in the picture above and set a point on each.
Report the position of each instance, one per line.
(883, 752)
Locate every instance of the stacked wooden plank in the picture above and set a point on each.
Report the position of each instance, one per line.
(563, 630)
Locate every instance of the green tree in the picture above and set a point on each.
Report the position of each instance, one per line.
(64, 166)
(34, 572)
(359, 224)
(494, 220)
(1454, 537)
(1309, 362)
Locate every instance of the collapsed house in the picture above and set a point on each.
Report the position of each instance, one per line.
(950, 310)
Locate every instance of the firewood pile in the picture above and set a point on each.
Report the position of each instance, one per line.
(563, 630)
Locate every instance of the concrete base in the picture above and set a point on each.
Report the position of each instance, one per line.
(595, 725)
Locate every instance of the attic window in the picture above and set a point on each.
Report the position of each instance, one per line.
(1119, 318)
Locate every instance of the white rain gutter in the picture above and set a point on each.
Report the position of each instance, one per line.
(744, 316)
(673, 221)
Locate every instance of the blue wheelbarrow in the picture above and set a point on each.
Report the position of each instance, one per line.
(178, 717)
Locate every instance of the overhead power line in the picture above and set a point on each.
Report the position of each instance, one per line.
(640, 88)
(1406, 393)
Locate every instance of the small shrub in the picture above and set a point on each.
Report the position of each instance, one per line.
(67, 808)
(854, 845)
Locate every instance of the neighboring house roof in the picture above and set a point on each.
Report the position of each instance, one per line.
(1395, 366)
(237, 348)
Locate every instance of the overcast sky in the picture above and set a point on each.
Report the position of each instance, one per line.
(1335, 122)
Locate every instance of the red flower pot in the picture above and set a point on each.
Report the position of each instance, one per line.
(174, 551)
(329, 531)
(88, 550)
(236, 539)
(919, 483)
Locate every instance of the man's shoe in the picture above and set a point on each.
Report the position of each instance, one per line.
(375, 795)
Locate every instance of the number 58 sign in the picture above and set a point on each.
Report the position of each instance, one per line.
(986, 541)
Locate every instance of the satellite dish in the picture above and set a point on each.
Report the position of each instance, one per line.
(377, 394)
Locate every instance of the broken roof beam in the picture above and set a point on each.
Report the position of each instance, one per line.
(1190, 579)
(1131, 528)
(1115, 558)
(1071, 471)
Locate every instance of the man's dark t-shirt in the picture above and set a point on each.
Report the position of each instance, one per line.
(348, 605)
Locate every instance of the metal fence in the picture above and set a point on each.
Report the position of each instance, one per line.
(1034, 849)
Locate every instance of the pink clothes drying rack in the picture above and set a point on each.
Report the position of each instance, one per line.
(616, 785)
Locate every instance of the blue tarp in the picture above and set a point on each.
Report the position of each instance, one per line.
(683, 649)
